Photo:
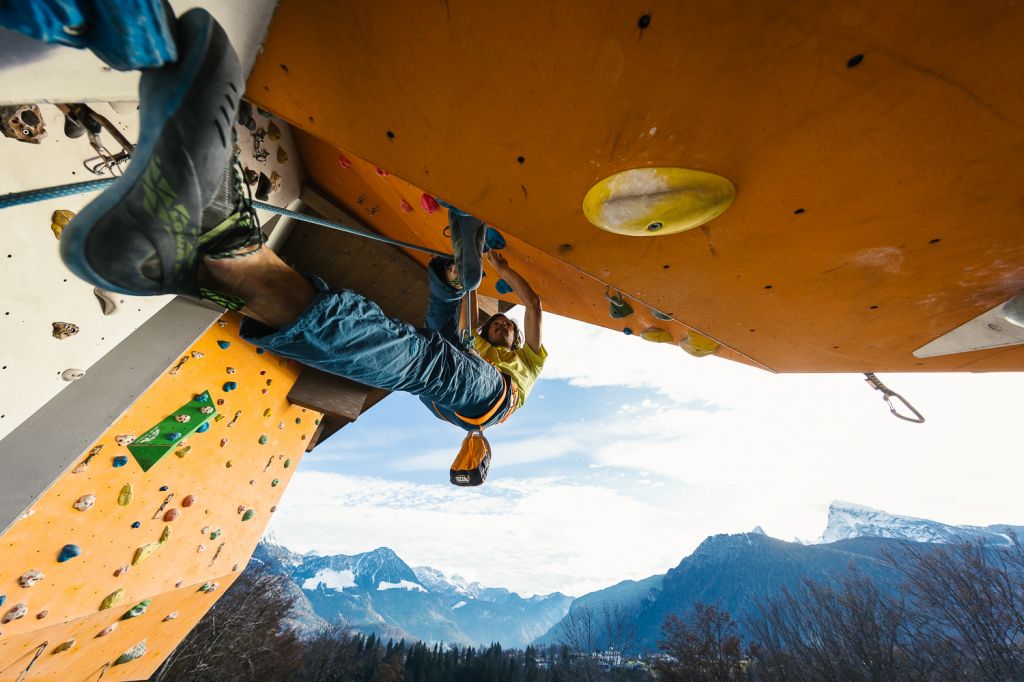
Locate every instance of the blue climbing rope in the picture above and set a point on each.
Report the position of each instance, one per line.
(45, 193)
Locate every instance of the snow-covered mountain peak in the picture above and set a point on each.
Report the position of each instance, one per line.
(847, 520)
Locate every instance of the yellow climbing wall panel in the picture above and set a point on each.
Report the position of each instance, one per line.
(235, 473)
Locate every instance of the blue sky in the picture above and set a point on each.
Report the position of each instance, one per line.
(628, 454)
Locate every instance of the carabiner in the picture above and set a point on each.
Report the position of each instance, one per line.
(887, 395)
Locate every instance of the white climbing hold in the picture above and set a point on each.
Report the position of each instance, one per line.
(108, 304)
(30, 578)
(182, 418)
(85, 502)
(70, 375)
(171, 616)
(17, 611)
(126, 439)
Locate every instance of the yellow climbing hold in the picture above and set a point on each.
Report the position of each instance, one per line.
(647, 202)
(126, 495)
(181, 452)
(656, 335)
(273, 132)
(282, 155)
(144, 552)
(63, 646)
(59, 221)
(698, 345)
(111, 599)
(165, 536)
(266, 412)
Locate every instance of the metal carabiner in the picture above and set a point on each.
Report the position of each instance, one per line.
(888, 394)
(94, 124)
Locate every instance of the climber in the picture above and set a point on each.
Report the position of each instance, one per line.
(179, 222)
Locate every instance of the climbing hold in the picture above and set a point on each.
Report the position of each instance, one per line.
(220, 401)
(241, 508)
(228, 464)
(222, 323)
(249, 513)
(235, 568)
(63, 330)
(179, 583)
(219, 417)
(316, 421)
(343, 161)
(429, 204)
(298, 420)
(405, 206)
(196, 354)
(264, 439)
(698, 345)
(124, 440)
(224, 344)
(282, 155)
(3, 599)
(63, 646)
(59, 220)
(107, 630)
(269, 382)
(216, 534)
(137, 610)
(273, 132)
(182, 418)
(144, 552)
(276, 181)
(265, 391)
(230, 370)
(656, 335)
(119, 461)
(266, 412)
(70, 375)
(204, 530)
(200, 549)
(209, 587)
(274, 483)
(627, 331)
(280, 425)
(85, 502)
(206, 409)
(260, 351)
(273, 509)
(137, 524)
(203, 428)
(120, 570)
(68, 552)
(17, 611)
(660, 315)
(165, 536)
(493, 239)
(111, 599)
(503, 287)
(173, 436)
(135, 653)
(170, 616)
(181, 452)
(619, 308)
(30, 578)
(642, 202)
(108, 304)
(126, 495)
(230, 386)
(381, 172)
(188, 501)
(42, 614)
(287, 462)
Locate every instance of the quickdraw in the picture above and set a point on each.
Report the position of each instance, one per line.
(888, 394)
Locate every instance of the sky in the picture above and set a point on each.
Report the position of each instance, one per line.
(628, 454)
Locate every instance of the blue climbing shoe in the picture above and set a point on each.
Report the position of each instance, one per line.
(181, 198)
(467, 247)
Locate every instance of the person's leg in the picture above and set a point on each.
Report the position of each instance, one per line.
(445, 301)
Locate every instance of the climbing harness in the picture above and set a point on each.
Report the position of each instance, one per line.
(888, 394)
(46, 193)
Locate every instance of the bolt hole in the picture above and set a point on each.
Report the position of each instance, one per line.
(284, 67)
(644, 21)
(753, 330)
(665, 267)
(655, 226)
(798, 211)
(874, 307)
(855, 60)
(767, 286)
(521, 159)
(391, 135)
(934, 241)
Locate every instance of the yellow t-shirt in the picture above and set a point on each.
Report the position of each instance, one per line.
(522, 365)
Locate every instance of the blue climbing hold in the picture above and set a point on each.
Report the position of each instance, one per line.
(68, 552)
(137, 524)
(163, 488)
(172, 436)
(3, 598)
(224, 344)
(120, 461)
(230, 386)
(503, 287)
(457, 211)
(627, 331)
(203, 428)
(204, 398)
(259, 351)
(493, 240)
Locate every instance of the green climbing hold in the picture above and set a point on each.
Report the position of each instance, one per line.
(618, 307)
(317, 422)
(165, 536)
(264, 439)
(126, 495)
(274, 483)
(215, 534)
(298, 420)
(111, 599)
(287, 462)
(136, 652)
(249, 513)
(143, 553)
(137, 610)
(63, 646)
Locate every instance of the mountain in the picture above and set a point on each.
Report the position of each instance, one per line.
(848, 520)
(377, 592)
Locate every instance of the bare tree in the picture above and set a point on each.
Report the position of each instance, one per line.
(579, 630)
(705, 647)
(332, 653)
(619, 625)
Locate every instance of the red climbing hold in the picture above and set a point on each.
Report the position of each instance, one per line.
(343, 161)
(381, 172)
(406, 206)
(429, 204)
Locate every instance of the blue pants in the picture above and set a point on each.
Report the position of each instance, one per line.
(347, 334)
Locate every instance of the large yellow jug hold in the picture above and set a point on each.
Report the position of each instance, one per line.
(647, 202)
(698, 345)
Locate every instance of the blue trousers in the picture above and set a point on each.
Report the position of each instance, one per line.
(347, 334)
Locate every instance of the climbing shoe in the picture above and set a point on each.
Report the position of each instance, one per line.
(467, 247)
(181, 198)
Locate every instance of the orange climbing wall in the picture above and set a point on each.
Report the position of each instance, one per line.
(875, 148)
(228, 471)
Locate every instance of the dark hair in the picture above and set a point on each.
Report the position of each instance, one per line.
(517, 336)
